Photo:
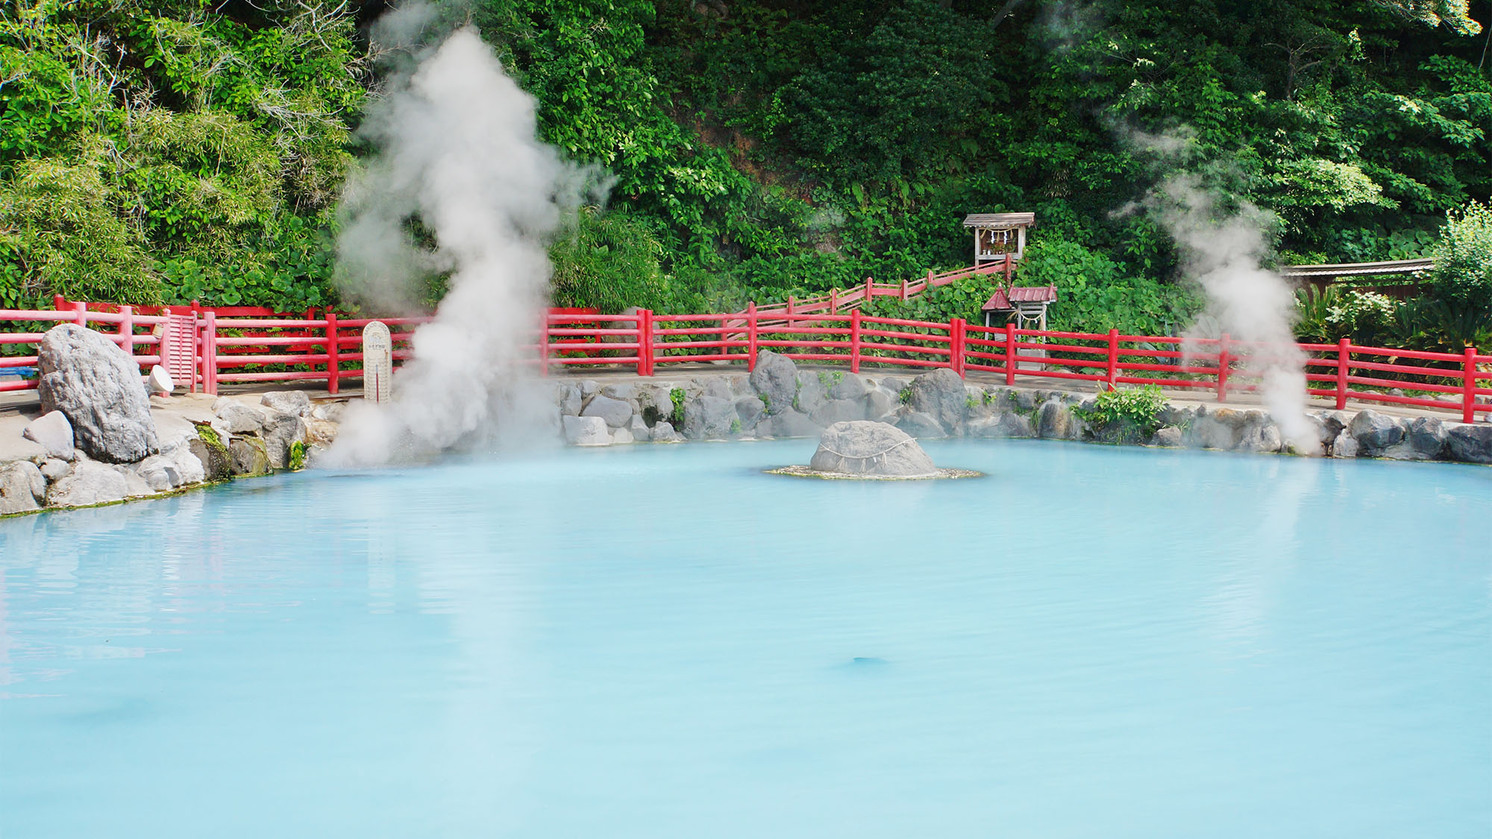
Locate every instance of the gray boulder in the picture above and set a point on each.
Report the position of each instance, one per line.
(709, 417)
(777, 377)
(1259, 434)
(248, 457)
(622, 436)
(1014, 425)
(295, 402)
(214, 461)
(872, 449)
(941, 395)
(879, 404)
(663, 432)
(569, 401)
(839, 410)
(1216, 429)
(614, 412)
(588, 431)
(1427, 437)
(1167, 436)
(588, 388)
(1345, 446)
(280, 432)
(750, 410)
(98, 386)
(1374, 432)
(167, 471)
(1053, 420)
(22, 487)
(1470, 443)
(329, 411)
(53, 469)
(237, 417)
(921, 425)
(639, 429)
(93, 483)
(1026, 400)
(850, 386)
(624, 392)
(52, 432)
(812, 393)
(793, 424)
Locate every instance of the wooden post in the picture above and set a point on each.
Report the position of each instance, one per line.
(1223, 363)
(833, 301)
(127, 331)
(870, 289)
(854, 340)
(1113, 355)
(645, 342)
(903, 288)
(1009, 353)
(1343, 354)
(751, 336)
(210, 352)
(1468, 388)
(956, 345)
(334, 356)
(789, 304)
(1009, 269)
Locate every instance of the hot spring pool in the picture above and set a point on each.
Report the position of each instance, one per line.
(663, 642)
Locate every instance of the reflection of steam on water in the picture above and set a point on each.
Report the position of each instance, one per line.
(1222, 246)
(458, 153)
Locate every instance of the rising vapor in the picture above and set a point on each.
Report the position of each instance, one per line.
(458, 153)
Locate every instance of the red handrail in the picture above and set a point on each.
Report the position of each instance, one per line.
(268, 347)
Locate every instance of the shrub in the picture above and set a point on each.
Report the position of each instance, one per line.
(1125, 416)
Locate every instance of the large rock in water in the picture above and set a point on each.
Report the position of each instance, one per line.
(98, 388)
(871, 448)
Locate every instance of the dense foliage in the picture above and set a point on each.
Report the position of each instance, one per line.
(760, 147)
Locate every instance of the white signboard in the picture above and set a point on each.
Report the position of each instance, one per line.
(378, 362)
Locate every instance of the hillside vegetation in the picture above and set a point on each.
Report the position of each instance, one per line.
(164, 151)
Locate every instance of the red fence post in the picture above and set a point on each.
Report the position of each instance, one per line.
(334, 355)
(59, 302)
(210, 352)
(833, 301)
(903, 288)
(1468, 389)
(1344, 353)
(1223, 363)
(127, 330)
(1009, 354)
(645, 342)
(854, 340)
(870, 289)
(751, 336)
(789, 304)
(956, 345)
(1009, 268)
(1113, 360)
(80, 313)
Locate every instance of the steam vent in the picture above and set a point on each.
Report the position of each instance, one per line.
(870, 451)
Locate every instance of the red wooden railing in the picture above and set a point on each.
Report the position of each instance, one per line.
(328, 349)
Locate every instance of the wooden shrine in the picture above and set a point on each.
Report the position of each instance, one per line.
(1001, 237)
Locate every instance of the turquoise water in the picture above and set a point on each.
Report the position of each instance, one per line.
(662, 642)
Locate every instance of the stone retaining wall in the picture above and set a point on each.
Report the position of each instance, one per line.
(239, 438)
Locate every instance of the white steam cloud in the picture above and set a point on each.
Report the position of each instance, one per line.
(1223, 245)
(458, 154)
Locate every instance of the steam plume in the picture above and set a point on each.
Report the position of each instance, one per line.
(459, 168)
(1223, 245)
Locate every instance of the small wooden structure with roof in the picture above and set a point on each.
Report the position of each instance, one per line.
(1001, 237)
(998, 234)
(1025, 305)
